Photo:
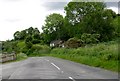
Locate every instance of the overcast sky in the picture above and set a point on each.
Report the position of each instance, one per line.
(17, 15)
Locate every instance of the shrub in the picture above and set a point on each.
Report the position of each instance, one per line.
(103, 55)
(24, 49)
(73, 43)
(38, 49)
(30, 51)
(35, 41)
(21, 56)
(28, 44)
(21, 46)
(90, 38)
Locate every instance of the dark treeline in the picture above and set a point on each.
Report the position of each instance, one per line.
(86, 22)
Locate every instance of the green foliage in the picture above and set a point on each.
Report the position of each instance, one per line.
(24, 49)
(89, 17)
(85, 39)
(28, 45)
(90, 38)
(73, 43)
(116, 26)
(0, 47)
(17, 35)
(35, 41)
(53, 27)
(29, 35)
(9, 46)
(89, 22)
(21, 56)
(104, 55)
(28, 42)
(21, 45)
(75, 11)
(79, 17)
(38, 49)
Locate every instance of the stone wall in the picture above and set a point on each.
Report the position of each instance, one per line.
(7, 57)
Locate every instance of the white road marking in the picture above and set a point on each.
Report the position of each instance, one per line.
(71, 78)
(47, 60)
(55, 66)
(62, 72)
(83, 72)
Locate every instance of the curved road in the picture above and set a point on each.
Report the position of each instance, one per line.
(53, 68)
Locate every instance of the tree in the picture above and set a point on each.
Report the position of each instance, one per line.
(23, 34)
(30, 30)
(20, 35)
(36, 36)
(90, 17)
(116, 26)
(28, 42)
(76, 11)
(17, 35)
(53, 27)
(10, 46)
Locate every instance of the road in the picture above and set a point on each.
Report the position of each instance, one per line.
(53, 68)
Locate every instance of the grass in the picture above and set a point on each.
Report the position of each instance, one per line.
(21, 56)
(103, 55)
(39, 50)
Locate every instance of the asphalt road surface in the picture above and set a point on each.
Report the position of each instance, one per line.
(53, 68)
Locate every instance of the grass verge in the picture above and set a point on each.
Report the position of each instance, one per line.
(103, 55)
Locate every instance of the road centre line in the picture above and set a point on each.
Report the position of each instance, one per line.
(47, 60)
(55, 66)
(71, 78)
(62, 72)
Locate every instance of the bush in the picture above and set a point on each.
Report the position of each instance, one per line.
(35, 41)
(21, 46)
(21, 56)
(38, 49)
(24, 49)
(9, 46)
(73, 43)
(28, 44)
(99, 55)
(90, 38)
(30, 51)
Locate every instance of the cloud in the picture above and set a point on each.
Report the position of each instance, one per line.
(17, 15)
(54, 5)
(12, 20)
(119, 7)
(60, 5)
(115, 9)
(112, 4)
(11, 0)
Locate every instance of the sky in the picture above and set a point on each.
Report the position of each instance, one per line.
(17, 15)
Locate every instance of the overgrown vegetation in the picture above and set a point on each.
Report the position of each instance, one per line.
(21, 56)
(87, 31)
(37, 50)
(104, 55)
